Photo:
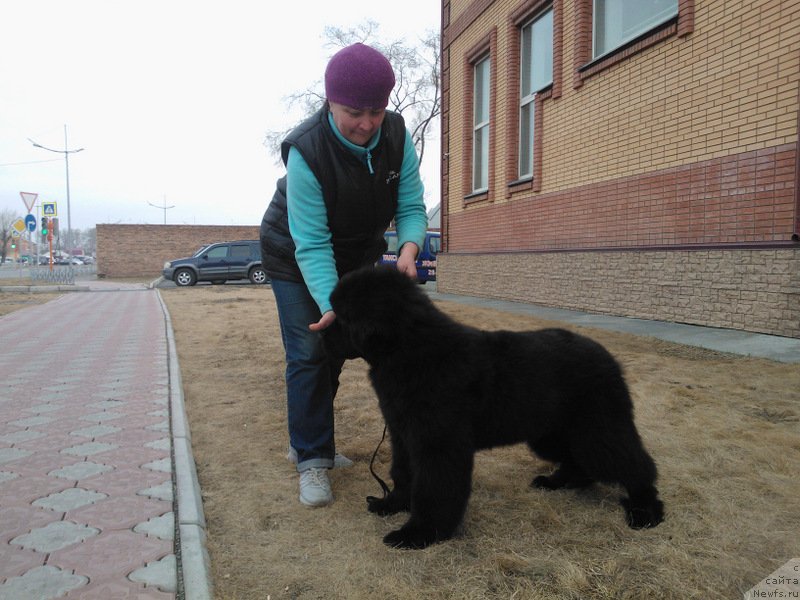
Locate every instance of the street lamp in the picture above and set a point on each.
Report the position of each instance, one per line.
(164, 208)
(66, 154)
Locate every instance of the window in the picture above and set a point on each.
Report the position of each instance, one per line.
(479, 122)
(434, 244)
(391, 243)
(619, 21)
(240, 251)
(218, 252)
(536, 73)
(480, 130)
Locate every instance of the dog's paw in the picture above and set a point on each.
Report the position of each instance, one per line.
(543, 482)
(386, 506)
(380, 506)
(643, 516)
(562, 479)
(411, 538)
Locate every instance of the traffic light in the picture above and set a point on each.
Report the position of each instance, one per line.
(44, 226)
(54, 225)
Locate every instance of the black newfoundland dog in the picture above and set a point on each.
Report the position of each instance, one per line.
(447, 390)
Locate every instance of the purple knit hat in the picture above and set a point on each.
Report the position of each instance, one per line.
(359, 76)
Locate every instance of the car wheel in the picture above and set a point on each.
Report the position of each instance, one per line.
(258, 275)
(185, 277)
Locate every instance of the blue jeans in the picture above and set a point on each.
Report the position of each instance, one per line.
(311, 378)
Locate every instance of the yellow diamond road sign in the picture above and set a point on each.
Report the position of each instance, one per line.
(17, 227)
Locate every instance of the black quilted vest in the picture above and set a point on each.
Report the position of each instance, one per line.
(360, 204)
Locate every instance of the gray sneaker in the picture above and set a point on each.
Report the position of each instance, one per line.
(339, 461)
(315, 488)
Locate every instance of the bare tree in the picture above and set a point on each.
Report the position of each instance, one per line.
(417, 94)
(7, 217)
(89, 241)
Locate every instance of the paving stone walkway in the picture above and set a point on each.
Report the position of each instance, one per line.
(87, 500)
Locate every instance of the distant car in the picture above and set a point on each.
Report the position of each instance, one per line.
(218, 263)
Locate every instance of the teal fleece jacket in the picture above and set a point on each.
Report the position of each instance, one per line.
(308, 217)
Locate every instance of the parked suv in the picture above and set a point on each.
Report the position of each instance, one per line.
(219, 263)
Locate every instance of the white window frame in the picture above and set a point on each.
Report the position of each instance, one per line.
(618, 32)
(482, 73)
(536, 73)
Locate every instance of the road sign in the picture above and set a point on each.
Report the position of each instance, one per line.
(49, 209)
(29, 199)
(19, 225)
(30, 222)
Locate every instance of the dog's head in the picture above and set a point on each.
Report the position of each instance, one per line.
(374, 310)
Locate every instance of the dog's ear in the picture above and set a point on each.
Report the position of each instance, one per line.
(362, 337)
(375, 341)
(337, 342)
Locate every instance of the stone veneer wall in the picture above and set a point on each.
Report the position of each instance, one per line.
(749, 289)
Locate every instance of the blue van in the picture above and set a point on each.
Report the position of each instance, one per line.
(426, 261)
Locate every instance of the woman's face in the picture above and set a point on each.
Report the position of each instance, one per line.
(357, 125)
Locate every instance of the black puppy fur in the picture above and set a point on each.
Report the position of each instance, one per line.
(447, 390)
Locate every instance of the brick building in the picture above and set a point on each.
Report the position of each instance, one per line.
(142, 250)
(625, 157)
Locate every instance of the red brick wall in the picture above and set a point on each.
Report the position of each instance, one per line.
(740, 198)
(142, 250)
(682, 97)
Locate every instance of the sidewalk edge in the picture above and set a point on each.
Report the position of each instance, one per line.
(193, 557)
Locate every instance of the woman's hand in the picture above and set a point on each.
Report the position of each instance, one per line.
(407, 259)
(324, 322)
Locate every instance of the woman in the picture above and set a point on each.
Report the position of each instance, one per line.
(350, 169)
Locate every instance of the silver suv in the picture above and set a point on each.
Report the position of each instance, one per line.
(219, 263)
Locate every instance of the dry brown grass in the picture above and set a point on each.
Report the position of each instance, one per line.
(11, 301)
(723, 430)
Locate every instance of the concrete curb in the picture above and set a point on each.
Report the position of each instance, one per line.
(44, 288)
(194, 562)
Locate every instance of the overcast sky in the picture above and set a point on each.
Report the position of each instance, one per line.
(170, 100)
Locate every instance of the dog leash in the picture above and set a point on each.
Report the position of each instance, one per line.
(374, 474)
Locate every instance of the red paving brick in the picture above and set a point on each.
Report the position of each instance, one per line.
(110, 556)
(100, 366)
(120, 513)
(16, 520)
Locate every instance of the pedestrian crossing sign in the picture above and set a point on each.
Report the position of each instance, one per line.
(49, 209)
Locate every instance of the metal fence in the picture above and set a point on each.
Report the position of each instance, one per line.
(61, 274)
